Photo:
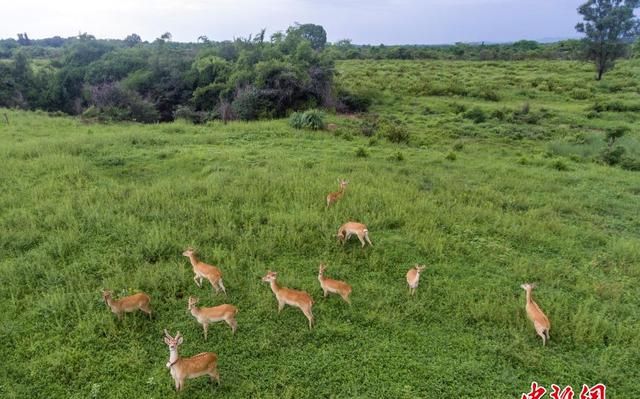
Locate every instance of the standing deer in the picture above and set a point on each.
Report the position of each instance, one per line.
(131, 303)
(287, 296)
(181, 368)
(226, 313)
(332, 198)
(334, 286)
(540, 321)
(202, 270)
(350, 228)
(413, 277)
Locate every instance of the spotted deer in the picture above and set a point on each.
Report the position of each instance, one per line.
(332, 198)
(181, 368)
(287, 296)
(131, 303)
(350, 228)
(333, 286)
(226, 313)
(535, 314)
(202, 270)
(413, 277)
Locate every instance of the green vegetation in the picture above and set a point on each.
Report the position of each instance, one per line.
(521, 194)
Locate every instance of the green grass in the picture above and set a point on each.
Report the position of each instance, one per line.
(86, 207)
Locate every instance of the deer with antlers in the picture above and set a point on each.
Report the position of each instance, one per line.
(332, 198)
(131, 303)
(354, 228)
(333, 286)
(287, 296)
(413, 277)
(540, 321)
(181, 368)
(202, 270)
(226, 313)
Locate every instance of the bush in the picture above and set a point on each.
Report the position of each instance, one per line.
(354, 102)
(311, 119)
(398, 156)
(628, 163)
(369, 125)
(247, 104)
(613, 156)
(451, 156)
(615, 133)
(396, 133)
(114, 103)
(188, 114)
(361, 152)
(476, 114)
(560, 165)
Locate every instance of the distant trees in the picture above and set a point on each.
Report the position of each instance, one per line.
(132, 40)
(607, 24)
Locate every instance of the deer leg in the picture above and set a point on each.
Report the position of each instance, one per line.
(214, 285)
(361, 238)
(215, 375)
(205, 326)
(195, 278)
(325, 293)
(222, 286)
(307, 312)
(233, 324)
(280, 306)
(366, 236)
(346, 298)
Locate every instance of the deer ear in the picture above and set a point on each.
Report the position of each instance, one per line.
(180, 341)
(166, 341)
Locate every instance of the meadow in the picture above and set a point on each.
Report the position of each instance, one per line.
(515, 192)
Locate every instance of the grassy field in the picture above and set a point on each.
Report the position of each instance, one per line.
(487, 205)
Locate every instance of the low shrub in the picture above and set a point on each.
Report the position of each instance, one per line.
(613, 155)
(476, 114)
(311, 119)
(396, 133)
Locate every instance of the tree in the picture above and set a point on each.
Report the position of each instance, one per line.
(166, 36)
(132, 40)
(315, 34)
(608, 24)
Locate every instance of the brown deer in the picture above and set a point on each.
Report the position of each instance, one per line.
(333, 286)
(287, 296)
(226, 313)
(535, 314)
(131, 303)
(332, 198)
(202, 270)
(413, 277)
(181, 368)
(350, 228)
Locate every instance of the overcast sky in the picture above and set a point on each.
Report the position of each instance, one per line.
(363, 21)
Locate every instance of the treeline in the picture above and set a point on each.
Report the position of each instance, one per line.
(247, 78)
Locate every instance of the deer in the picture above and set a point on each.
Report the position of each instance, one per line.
(350, 228)
(131, 303)
(333, 286)
(535, 314)
(181, 368)
(413, 277)
(332, 198)
(287, 296)
(202, 270)
(226, 313)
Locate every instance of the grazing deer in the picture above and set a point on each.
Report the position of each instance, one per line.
(413, 277)
(334, 286)
(131, 303)
(287, 296)
(226, 313)
(203, 270)
(540, 321)
(332, 198)
(350, 228)
(181, 368)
